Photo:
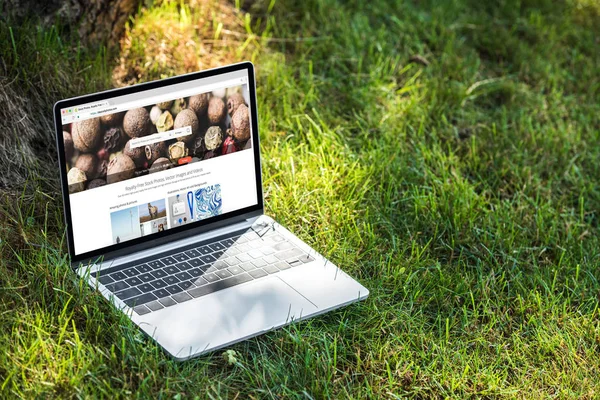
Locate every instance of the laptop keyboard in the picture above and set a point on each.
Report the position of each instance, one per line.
(172, 278)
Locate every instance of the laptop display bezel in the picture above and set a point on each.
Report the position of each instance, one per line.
(172, 234)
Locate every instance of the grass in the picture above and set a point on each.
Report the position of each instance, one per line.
(461, 187)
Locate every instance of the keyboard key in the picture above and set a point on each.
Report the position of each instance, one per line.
(294, 263)
(211, 277)
(134, 281)
(192, 253)
(136, 301)
(131, 272)
(196, 262)
(171, 280)
(218, 254)
(257, 273)
(168, 260)
(143, 268)
(255, 253)
(118, 276)
(277, 238)
(186, 284)
(217, 246)
(154, 306)
(291, 253)
(283, 246)
(220, 285)
(161, 293)
(195, 272)
(243, 248)
(271, 269)
(182, 276)
(146, 277)
(208, 259)
(282, 265)
(181, 257)
(267, 250)
(270, 259)
(235, 270)
(174, 289)
(141, 310)
(105, 280)
(146, 287)
(259, 262)
(220, 265)
(199, 281)
(204, 250)
(167, 302)
(170, 270)
(159, 273)
(184, 265)
(223, 274)
(244, 257)
(231, 261)
(232, 251)
(159, 283)
(181, 297)
(127, 293)
(156, 264)
(117, 286)
(227, 242)
(247, 266)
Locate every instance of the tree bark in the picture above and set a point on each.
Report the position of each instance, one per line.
(97, 22)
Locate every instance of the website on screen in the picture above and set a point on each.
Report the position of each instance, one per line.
(144, 164)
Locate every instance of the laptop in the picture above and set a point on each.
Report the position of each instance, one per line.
(164, 212)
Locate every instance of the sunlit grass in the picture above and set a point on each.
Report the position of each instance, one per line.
(462, 191)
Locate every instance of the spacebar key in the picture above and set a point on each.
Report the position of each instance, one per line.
(220, 285)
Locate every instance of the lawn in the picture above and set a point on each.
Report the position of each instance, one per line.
(444, 153)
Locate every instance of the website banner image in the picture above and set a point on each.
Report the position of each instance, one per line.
(125, 145)
(158, 167)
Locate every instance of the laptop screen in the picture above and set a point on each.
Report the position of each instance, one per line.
(157, 160)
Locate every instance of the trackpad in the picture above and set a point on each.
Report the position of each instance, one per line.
(226, 316)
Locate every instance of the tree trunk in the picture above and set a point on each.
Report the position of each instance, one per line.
(98, 22)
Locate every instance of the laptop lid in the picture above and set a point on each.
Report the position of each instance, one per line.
(151, 163)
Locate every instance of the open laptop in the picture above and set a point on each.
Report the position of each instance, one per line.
(163, 203)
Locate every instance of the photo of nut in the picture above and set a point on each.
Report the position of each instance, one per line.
(219, 92)
(136, 122)
(198, 147)
(114, 139)
(233, 102)
(137, 154)
(187, 118)
(76, 179)
(120, 168)
(177, 150)
(165, 122)
(87, 163)
(86, 135)
(112, 119)
(69, 148)
(154, 114)
(198, 104)
(155, 151)
(178, 106)
(216, 110)
(165, 105)
(213, 138)
(240, 123)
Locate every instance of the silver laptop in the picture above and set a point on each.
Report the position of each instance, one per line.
(164, 211)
